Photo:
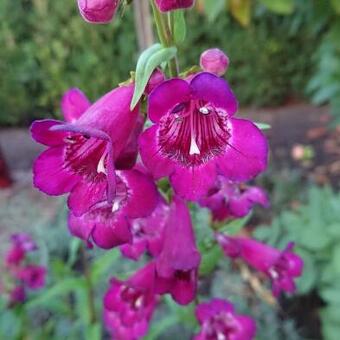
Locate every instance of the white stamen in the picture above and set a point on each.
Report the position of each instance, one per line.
(139, 302)
(273, 273)
(101, 166)
(221, 336)
(194, 150)
(204, 110)
(115, 206)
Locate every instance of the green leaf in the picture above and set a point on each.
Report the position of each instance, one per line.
(60, 289)
(180, 29)
(147, 63)
(94, 332)
(279, 6)
(157, 328)
(235, 226)
(263, 126)
(210, 260)
(103, 263)
(73, 251)
(241, 11)
(336, 5)
(213, 7)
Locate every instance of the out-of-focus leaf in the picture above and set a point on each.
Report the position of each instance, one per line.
(241, 11)
(263, 126)
(336, 5)
(210, 259)
(279, 6)
(60, 289)
(180, 28)
(235, 226)
(214, 7)
(102, 264)
(73, 251)
(93, 332)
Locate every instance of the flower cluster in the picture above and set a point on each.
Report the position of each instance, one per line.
(203, 153)
(18, 274)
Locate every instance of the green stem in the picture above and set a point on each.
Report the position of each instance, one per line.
(165, 35)
(90, 290)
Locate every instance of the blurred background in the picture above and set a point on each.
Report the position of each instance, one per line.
(285, 71)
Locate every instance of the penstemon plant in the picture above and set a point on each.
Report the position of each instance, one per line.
(137, 159)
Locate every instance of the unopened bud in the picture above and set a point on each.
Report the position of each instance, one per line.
(98, 11)
(214, 61)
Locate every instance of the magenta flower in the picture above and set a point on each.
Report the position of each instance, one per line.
(214, 61)
(129, 305)
(81, 152)
(33, 276)
(195, 137)
(233, 200)
(107, 224)
(170, 5)
(17, 295)
(177, 264)
(21, 244)
(147, 233)
(218, 320)
(282, 267)
(98, 11)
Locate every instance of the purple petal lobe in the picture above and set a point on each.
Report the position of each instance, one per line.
(73, 104)
(166, 96)
(214, 90)
(40, 131)
(246, 154)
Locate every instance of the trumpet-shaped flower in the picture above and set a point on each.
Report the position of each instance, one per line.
(195, 136)
(218, 320)
(177, 264)
(129, 305)
(282, 267)
(147, 233)
(108, 225)
(230, 200)
(82, 151)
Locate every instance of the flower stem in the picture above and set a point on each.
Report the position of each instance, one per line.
(165, 35)
(90, 290)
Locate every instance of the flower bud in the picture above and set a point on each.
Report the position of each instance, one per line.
(170, 5)
(214, 61)
(156, 79)
(98, 11)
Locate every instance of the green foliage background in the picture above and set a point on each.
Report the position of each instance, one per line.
(47, 48)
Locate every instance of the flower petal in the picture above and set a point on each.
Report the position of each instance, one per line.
(40, 131)
(73, 104)
(214, 90)
(143, 195)
(246, 154)
(193, 183)
(158, 165)
(49, 174)
(111, 233)
(167, 95)
(85, 195)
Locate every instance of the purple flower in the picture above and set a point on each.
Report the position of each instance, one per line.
(156, 79)
(129, 305)
(98, 11)
(21, 244)
(195, 137)
(214, 61)
(17, 295)
(170, 5)
(218, 320)
(147, 233)
(177, 264)
(108, 224)
(81, 152)
(229, 199)
(33, 276)
(282, 267)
